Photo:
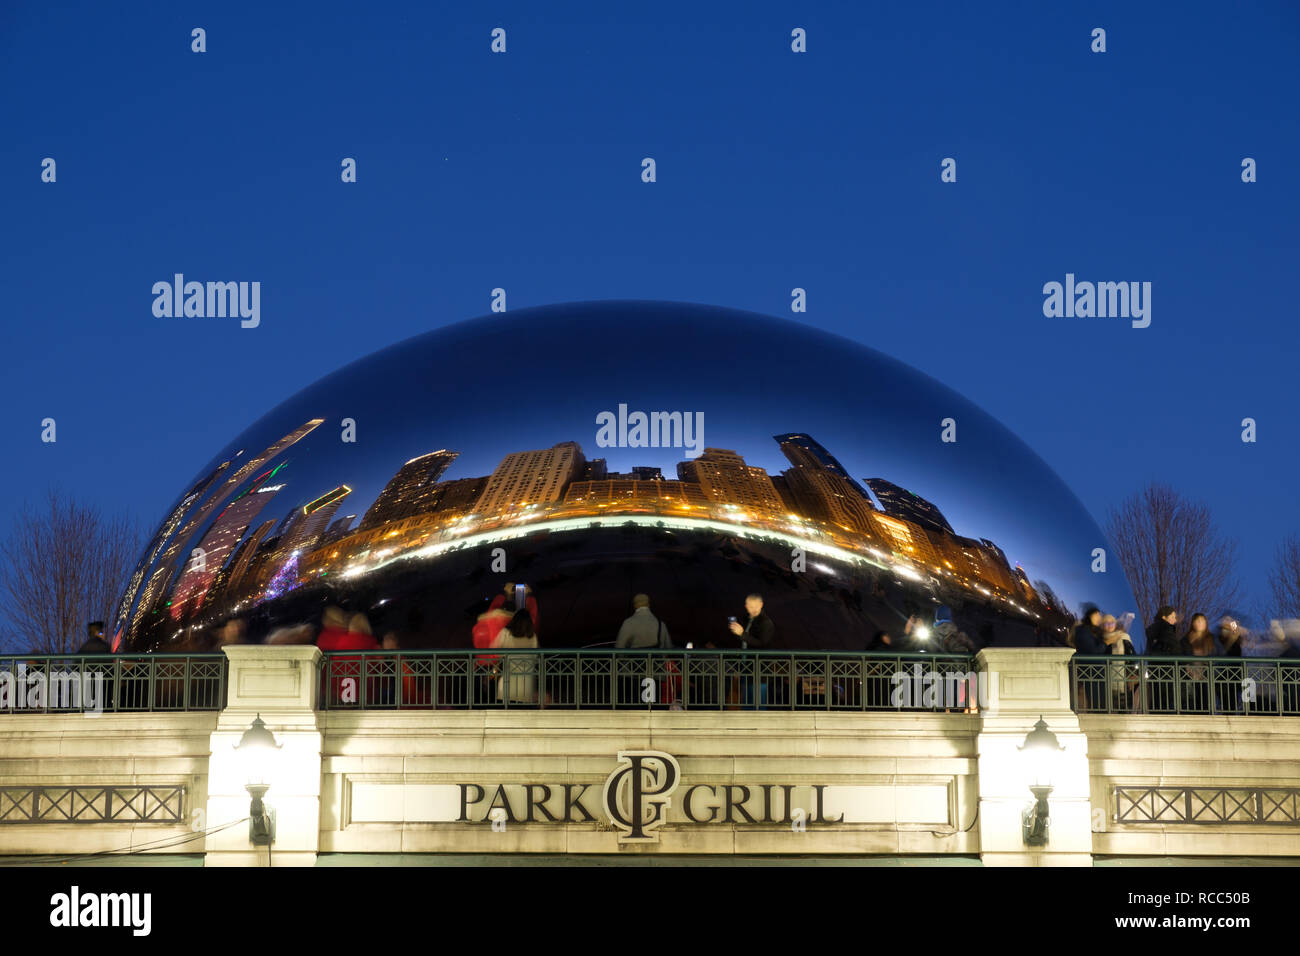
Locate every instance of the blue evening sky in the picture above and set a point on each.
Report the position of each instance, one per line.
(775, 170)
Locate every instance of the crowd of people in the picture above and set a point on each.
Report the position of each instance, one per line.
(1098, 634)
(1174, 686)
(511, 621)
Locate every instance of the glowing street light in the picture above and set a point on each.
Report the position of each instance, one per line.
(258, 749)
(1043, 751)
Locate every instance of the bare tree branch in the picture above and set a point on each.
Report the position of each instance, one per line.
(1284, 579)
(1173, 554)
(62, 565)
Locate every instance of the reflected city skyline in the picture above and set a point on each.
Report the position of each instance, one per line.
(305, 510)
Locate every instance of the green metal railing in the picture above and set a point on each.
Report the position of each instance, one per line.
(1185, 685)
(111, 683)
(603, 679)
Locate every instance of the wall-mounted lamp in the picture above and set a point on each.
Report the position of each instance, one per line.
(258, 748)
(1041, 749)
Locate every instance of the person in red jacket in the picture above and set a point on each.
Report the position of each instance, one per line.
(489, 625)
(343, 674)
(507, 599)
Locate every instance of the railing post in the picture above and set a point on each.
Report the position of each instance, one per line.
(435, 675)
(398, 683)
(1212, 689)
(577, 681)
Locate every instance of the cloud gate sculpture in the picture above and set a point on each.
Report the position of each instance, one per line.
(595, 451)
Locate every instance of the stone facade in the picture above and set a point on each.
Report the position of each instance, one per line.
(907, 784)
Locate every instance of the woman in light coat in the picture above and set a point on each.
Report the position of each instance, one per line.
(518, 681)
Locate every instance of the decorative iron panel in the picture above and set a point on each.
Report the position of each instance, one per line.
(1185, 685)
(25, 805)
(1208, 805)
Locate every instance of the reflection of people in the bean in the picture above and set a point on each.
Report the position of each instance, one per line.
(642, 629)
(759, 631)
(518, 680)
(95, 643)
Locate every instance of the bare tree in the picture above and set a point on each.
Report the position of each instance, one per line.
(1285, 579)
(1173, 553)
(63, 564)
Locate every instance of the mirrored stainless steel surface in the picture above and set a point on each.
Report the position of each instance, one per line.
(595, 451)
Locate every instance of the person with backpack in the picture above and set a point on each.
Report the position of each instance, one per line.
(642, 629)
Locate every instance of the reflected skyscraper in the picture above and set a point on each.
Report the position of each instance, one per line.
(804, 450)
(819, 487)
(725, 478)
(411, 490)
(527, 478)
(242, 559)
(898, 502)
(216, 546)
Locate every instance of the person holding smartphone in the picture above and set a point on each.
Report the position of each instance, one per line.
(759, 633)
(516, 597)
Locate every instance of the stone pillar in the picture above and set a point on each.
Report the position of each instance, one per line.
(281, 683)
(1023, 685)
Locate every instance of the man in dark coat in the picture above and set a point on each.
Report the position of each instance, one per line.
(760, 634)
(1162, 639)
(95, 643)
